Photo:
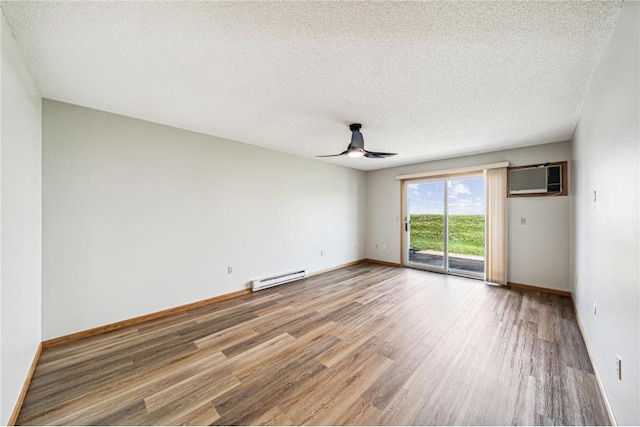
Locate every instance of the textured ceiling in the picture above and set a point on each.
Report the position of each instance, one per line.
(426, 79)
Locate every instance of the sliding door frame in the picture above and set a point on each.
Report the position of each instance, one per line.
(405, 222)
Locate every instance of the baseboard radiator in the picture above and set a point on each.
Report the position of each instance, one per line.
(279, 279)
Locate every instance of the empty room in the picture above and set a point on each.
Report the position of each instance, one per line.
(320, 213)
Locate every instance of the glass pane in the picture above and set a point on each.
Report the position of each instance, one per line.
(426, 232)
(465, 200)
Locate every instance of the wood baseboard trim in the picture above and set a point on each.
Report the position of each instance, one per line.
(607, 404)
(387, 263)
(539, 289)
(136, 320)
(337, 267)
(27, 381)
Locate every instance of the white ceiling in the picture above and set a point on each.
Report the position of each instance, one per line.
(426, 79)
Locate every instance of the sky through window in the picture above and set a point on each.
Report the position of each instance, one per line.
(466, 196)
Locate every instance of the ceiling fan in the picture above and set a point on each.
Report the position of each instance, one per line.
(356, 147)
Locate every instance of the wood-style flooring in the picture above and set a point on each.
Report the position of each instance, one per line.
(361, 345)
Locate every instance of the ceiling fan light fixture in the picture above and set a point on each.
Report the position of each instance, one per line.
(355, 152)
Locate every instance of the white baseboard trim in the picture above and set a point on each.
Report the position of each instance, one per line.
(612, 417)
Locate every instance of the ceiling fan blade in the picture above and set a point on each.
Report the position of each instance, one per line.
(335, 155)
(377, 155)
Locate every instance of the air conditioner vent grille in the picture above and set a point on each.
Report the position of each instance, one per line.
(537, 180)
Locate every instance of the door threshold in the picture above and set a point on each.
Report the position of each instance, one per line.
(448, 273)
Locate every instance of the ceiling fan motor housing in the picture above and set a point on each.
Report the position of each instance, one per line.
(357, 141)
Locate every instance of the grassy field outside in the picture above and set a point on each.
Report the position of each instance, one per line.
(466, 233)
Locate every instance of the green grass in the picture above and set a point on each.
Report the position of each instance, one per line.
(466, 233)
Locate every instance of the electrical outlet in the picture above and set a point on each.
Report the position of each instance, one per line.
(619, 367)
(384, 246)
(229, 270)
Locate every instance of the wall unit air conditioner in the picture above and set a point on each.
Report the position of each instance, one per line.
(536, 180)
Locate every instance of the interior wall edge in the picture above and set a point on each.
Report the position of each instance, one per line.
(337, 267)
(381, 262)
(603, 392)
(540, 289)
(27, 381)
(20, 220)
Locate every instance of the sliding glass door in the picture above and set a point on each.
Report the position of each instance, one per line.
(426, 224)
(444, 225)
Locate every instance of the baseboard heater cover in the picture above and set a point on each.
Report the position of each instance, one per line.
(268, 282)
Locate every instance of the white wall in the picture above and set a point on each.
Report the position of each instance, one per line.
(538, 251)
(606, 234)
(140, 217)
(20, 225)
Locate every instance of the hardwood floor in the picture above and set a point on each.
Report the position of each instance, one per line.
(362, 345)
